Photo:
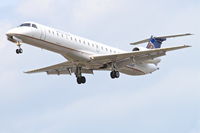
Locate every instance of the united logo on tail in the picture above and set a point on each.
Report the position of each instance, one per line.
(155, 42)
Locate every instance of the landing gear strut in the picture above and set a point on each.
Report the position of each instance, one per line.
(79, 78)
(19, 50)
(114, 74)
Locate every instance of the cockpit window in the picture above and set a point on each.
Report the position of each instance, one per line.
(26, 24)
(34, 26)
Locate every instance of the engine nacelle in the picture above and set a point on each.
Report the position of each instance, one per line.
(139, 49)
(150, 61)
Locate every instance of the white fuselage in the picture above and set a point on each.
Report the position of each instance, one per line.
(73, 47)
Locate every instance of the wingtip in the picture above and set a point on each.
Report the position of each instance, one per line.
(132, 43)
(25, 72)
(189, 34)
(187, 45)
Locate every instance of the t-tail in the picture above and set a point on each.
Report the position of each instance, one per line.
(156, 42)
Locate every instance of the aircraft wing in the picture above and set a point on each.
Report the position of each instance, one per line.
(62, 68)
(69, 67)
(138, 56)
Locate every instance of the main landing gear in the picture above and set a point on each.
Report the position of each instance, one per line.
(114, 74)
(79, 78)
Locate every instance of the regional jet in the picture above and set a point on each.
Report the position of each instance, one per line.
(84, 56)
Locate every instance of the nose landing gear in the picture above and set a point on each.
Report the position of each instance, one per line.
(19, 50)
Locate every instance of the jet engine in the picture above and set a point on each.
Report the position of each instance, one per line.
(139, 49)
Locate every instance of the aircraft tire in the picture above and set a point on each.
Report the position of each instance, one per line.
(117, 74)
(20, 50)
(79, 80)
(17, 51)
(114, 74)
(83, 80)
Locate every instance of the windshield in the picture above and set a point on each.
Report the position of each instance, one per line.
(26, 24)
(34, 26)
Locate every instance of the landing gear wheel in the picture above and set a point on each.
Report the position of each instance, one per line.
(117, 74)
(81, 80)
(19, 51)
(114, 74)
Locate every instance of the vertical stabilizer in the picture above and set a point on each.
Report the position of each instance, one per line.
(155, 42)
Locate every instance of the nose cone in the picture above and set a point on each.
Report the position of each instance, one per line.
(13, 35)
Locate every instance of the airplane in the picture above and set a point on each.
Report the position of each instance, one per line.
(84, 56)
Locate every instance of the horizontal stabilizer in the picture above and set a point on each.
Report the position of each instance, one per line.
(160, 37)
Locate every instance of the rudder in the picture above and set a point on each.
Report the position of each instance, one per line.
(155, 42)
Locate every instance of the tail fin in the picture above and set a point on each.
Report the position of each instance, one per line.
(155, 42)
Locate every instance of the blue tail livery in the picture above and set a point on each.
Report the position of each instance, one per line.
(155, 42)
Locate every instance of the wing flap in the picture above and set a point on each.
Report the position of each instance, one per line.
(61, 68)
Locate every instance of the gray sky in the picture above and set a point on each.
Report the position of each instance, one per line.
(165, 101)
